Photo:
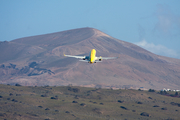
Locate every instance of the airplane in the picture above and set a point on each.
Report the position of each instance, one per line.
(91, 58)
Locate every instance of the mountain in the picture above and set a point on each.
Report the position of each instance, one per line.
(39, 60)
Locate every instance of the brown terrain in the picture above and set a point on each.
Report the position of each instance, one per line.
(39, 60)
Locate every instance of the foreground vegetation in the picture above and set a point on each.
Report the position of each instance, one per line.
(79, 103)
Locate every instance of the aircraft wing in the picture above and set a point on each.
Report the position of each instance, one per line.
(106, 58)
(81, 57)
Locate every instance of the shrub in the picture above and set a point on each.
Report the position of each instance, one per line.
(173, 103)
(163, 93)
(164, 108)
(155, 106)
(44, 96)
(55, 98)
(76, 90)
(17, 84)
(82, 104)
(151, 90)
(40, 106)
(8, 98)
(144, 114)
(14, 100)
(18, 94)
(47, 109)
(139, 103)
(120, 101)
(150, 97)
(123, 107)
(67, 112)
(74, 102)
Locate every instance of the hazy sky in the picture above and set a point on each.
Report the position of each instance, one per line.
(151, 24)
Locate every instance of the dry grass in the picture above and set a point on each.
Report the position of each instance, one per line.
(26, 103)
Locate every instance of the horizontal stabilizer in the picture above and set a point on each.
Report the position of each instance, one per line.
(106, 58)
(84, 60)
(98, 61)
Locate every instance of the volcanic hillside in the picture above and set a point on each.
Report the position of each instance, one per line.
(39, 60)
